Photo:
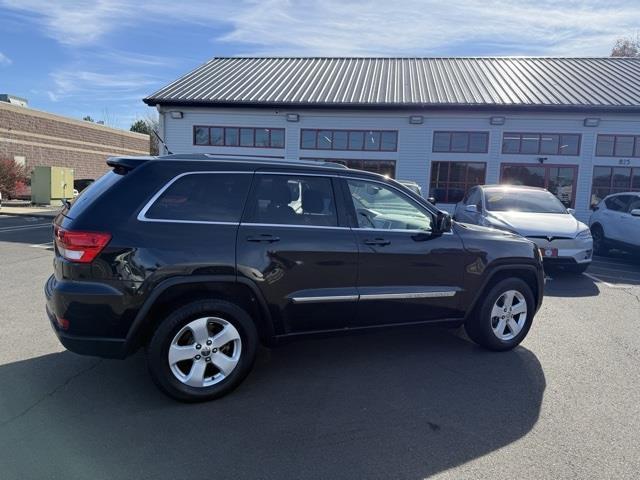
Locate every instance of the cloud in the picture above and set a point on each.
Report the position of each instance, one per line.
(358, 27)
(4, 60)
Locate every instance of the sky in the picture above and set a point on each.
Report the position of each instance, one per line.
(101, 57)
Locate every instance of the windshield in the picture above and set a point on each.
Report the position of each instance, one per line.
(516, 200)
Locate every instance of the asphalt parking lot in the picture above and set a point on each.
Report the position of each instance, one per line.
(412, 403)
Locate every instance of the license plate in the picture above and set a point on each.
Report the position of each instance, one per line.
(549, 252)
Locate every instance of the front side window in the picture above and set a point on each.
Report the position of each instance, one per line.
(202, 197)
(292, 200)
(450, 180)
(383, 208)
(618, 203)
(238, 137)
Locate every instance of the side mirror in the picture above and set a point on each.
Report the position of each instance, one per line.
(431, 200)
(635, 212)
(443, 222)
(594, 206)
(572, 211)
(471, 208)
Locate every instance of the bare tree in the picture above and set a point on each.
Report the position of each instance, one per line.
(627, 47)
(148, 125)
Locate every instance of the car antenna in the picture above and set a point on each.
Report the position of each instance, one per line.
(169, 152)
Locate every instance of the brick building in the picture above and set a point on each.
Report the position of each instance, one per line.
(38, 138)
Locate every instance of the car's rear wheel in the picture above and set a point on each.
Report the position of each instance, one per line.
(203, 350)
(600, 246)
(504, 316)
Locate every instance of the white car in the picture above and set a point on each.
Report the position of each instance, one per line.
(533, 213)
(615, 223)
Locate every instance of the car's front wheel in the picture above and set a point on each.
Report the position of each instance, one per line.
(600, 246)
(504, 316)
(202, 350)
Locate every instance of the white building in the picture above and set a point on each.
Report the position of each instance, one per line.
(571, 125)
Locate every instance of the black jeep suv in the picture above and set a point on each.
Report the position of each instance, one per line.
(200, 259)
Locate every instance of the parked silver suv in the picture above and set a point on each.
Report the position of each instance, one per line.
(615, 223)
(534, 213)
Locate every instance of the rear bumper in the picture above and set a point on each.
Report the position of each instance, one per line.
(57, 307)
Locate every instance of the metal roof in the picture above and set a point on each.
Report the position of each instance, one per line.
(479, 82)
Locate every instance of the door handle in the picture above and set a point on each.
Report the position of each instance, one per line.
(263, 237)
(381, 242)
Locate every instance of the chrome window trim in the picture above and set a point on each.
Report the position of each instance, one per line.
(142, 215)
(322, 227)
(328, 298)
(374, 296)
(388, 296)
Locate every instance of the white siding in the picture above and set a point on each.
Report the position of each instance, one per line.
(414, 156)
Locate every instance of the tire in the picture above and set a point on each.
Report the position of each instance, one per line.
(600, 244)
(480, 324)
(198, 371)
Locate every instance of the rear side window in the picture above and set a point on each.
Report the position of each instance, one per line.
(92, 192)
(202, 197)
(292, 200)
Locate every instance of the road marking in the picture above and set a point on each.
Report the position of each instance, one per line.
(607, 284)
(24, 227)
(47, 245)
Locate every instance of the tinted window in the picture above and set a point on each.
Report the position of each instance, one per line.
(533, 201)
(356, 140)
(372, 141)
(624, 146)
(292, 200)
(389, 141)
(201, 135)
(308, 139)
(549, 144)
(340, 140)
(203, 197)
(380, 207)
(441, 141)
(277, 138)
(618, 203)
(604, 145)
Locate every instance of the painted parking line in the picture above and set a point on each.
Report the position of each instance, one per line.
(46, 246)
(598, 279)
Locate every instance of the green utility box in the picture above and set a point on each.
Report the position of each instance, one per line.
(50, 185)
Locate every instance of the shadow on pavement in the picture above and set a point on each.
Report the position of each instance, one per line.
(567, 284)
(396, 404)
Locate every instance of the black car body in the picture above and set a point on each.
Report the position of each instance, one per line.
(295, 247)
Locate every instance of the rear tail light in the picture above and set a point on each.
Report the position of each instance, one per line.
(80, 247)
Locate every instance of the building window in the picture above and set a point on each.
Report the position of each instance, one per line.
(450, 180)
(460, 142)
(558, 179)
(541, 143)
(370, 140)
(382, 167)
(618, 146)
(608, 180)
(252, 137)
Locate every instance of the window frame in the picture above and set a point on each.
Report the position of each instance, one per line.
(540, 135)
(635, 151)
(547, 168)
(239, 129)
(350, 132)
(466, 185)
(611, 189)
(344, 161)
(141, 217)
(468, 133)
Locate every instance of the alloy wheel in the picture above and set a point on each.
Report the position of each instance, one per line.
(508, 315)
(204, 352)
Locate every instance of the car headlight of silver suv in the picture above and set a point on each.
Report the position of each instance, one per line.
(584, 235)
